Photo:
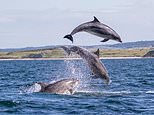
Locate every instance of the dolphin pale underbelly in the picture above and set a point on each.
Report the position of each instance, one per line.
(97, 28)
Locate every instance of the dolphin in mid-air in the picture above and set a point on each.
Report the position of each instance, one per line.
(97, 28)
(64, 86)
(93, 61)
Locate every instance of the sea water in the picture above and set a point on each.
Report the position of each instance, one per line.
(131, 90)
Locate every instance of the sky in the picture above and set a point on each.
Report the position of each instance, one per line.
(33, 23)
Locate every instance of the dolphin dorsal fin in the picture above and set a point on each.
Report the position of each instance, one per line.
(95, 19)
(97, 52)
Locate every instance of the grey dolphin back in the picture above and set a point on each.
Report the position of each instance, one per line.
(85, 26)
(64, 86)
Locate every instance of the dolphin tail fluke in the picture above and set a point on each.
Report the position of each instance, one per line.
(69, 36)
(105, 40)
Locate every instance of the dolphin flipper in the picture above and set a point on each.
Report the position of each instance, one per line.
(105, 40)
(69, 36)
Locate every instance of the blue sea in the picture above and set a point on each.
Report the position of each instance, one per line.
(131, 91)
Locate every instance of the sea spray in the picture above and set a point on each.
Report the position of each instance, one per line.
(33, 88)
(80, 72)
(73, 69)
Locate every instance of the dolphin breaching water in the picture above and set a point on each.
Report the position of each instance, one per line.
(64, 86)
(93, 61)
(97, 28)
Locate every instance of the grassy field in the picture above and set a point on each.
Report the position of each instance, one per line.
(57, 53)
(124, 52)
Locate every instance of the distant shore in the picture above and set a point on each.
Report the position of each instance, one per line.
(58, 54)
(75, 58)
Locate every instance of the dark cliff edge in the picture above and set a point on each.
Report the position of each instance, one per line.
(33, 56)
(149, 54)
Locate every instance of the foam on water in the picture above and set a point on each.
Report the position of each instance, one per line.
(104, 92)
(150, 92)
(112, 93)
(34, 88)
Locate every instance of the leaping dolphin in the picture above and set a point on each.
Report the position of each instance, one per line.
(64, 86)
(93, 61)
(97, 28)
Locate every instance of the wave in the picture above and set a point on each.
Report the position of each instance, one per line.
(103, 92)
(112, 93)
(150, 92)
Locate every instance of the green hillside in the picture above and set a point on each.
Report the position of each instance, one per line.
(58, 53)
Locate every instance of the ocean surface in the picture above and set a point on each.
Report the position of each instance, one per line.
(130, 93)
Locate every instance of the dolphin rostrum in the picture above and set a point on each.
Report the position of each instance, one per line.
(64, 86)
(93, 61)
(97, 28)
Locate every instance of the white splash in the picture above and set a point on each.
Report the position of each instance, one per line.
(34, 88)
(150, 92)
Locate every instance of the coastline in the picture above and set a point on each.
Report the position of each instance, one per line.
(74, 58)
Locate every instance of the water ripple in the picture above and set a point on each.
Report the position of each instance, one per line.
(131, 90)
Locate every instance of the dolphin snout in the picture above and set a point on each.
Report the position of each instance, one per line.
(120, 40)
